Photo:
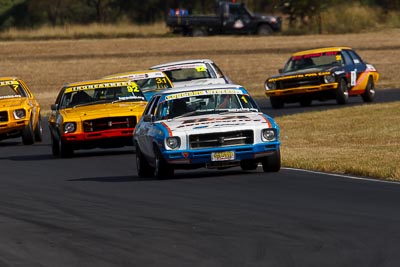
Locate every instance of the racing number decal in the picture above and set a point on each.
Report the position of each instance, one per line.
(161, 80)
(353, 77)
(133, 88)
(200, 68)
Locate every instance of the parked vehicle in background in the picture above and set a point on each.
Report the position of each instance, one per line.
(149, 81)
(19, 111)
(229, 18)
(95, 114)
(322, 74)
(193, 72)
(211, 126)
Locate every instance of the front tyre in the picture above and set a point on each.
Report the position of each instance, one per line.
(272, 163)
(248, 165)
(276, 102)
(369, 94)
(162, 168)
(55, 149)
(142, 166)
(38, 130)
(342, 93)
(65, 151)
(28, 137)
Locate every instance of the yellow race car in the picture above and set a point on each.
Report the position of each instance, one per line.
(149, 81)
(95, 114)
(19, 111)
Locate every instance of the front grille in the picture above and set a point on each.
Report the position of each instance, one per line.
(297, 82)
(109, 123)
(3, 116)
(222, 139)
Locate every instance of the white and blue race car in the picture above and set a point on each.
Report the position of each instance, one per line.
(211, 126)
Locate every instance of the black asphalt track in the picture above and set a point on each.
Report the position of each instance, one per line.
(92, 210)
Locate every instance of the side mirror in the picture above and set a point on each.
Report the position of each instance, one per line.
(148, 118)
(54, 107)
(280, 70)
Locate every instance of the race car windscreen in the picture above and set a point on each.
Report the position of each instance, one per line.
(188, 73)
(11, 90)
(182, 105)
(153, 84)
(84, 96)
(314, 60)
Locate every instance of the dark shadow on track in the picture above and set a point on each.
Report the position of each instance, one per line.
(178, 176)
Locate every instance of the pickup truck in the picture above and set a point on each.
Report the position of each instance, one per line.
(230, 18)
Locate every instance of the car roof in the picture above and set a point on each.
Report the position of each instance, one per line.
(201, 87)
(137, 72)
(322, 49)
(181, 62)
(10, 78)
(81, 83)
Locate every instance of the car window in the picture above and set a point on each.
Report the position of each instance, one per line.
(356, 58)
(153, 83)
(188, 72)
(151, 106)
(347, 59)
(11, 90)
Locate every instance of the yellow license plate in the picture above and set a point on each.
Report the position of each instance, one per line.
(221, 156)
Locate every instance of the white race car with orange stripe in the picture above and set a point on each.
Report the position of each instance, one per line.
(212, 126)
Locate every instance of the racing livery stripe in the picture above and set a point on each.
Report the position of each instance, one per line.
(168, 129)
(267, 121)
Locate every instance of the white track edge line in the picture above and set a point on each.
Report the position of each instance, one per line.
(345, 176)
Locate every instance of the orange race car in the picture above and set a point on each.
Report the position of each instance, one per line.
(19, 111)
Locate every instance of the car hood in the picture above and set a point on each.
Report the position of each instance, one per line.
(104, 110)
(219, 122)
(317, 70)
(200, 82)
(12, 102)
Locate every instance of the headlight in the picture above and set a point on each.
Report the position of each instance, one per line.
(270, 85)
(329, 78)
(268, 135)
(69, 127)
(173, 142)
(19, 114)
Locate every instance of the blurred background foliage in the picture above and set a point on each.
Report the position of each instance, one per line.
(300, 16)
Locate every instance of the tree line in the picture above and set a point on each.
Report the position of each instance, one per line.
(35, 13)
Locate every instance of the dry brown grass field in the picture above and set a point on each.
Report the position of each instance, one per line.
(248, 60)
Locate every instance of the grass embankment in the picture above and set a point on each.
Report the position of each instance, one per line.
(362, 140)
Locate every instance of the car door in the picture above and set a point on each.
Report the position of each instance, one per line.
(238, 21)
(355, 67)
(144, 128)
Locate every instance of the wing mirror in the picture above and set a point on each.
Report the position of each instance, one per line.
(148, 118)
